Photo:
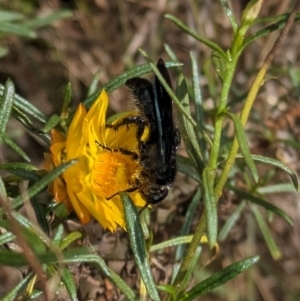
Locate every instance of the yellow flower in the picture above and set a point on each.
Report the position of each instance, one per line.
(107, 164)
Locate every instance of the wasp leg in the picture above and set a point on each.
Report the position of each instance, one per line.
(138, 120)
(131, 189)
(124, 151)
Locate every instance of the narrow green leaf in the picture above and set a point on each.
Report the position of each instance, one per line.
(259, 201)
(22, 117)
(69, 282)
(137, 243)
(219, 64)
(277, 188)
(122, 78)
(278, 164)
(18, 29)
(52, 122)
(6, 238)
(10, 167)
(208, 178)
(267, 30)
(68, 257)
(187, 224)
(203, 40)
(94, 84)
(41, 184)
(35, 294)
(6, 104)
(167, 289)
(219, 278)
(199, 112)
(49, 19)
(271, 244)
(25, 106)
(71, 237)
(243, 143)
(230, 15)
(186, 129)
(24, 174)
(67, 97)
(187, 168)
(172, 243)
(192, 268)
(7, 16)
(3, 193)
(231, 221)
(59, 232)
(14, 293)
(15, 147)
(199, 115)
(172, 55)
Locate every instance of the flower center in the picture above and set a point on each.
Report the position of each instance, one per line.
(113, 172)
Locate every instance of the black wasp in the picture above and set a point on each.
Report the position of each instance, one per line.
(158, 151)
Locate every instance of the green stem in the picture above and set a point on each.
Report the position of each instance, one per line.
(251, 98)
(185, 265)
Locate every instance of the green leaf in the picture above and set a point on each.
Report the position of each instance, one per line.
(137, 243)
(41, 184)
(171, 243)
(231, 221)
(28, 232)
(199, 114)
(187, 224)
(172, 55)
(283, 187)
(210, 202)
(203, 40)
(186, 129)
(267, 30)
(67, 97)
(271, 244)
(7, 16)
(219, 64)
(218, 278)
(68, 257)
(14, 293)
(94, 84)
(23, 170)
(58, 234)
(243, 143)
(52, 122)
(25, 106)
(15, 147)
(3, 193)
(278, 164)
(18, 29)
(192, 268)
(259, 201)
(186, 166)
(47, 20)
(41, 214)
(167, 289)
(230, 15)
(6, 238)
(6, 105)
(71, 237)
(69, 282)
(122, 78)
